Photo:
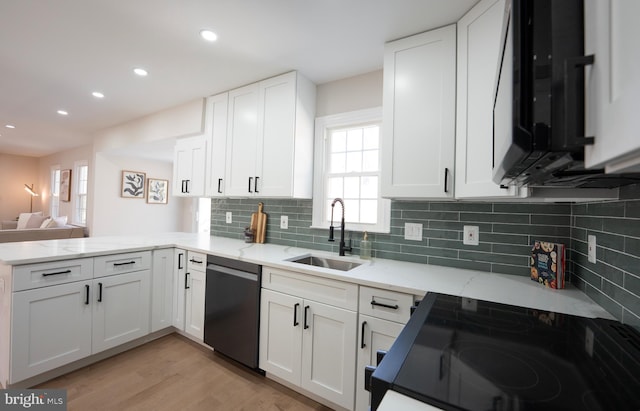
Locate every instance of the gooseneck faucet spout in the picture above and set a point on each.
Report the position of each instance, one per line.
(343, 246)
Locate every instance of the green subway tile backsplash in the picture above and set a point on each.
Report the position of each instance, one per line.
(506, 231)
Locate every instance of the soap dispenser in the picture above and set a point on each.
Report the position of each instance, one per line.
(365, 248)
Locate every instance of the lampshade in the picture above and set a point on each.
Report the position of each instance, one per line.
(29, 189)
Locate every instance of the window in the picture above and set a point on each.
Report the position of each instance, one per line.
(80, 198)
(347, 166)
(54, 200)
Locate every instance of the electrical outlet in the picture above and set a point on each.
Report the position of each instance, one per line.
(591, 248)
(284, 222)
(229, 217)
(471, 235)
(413, 231)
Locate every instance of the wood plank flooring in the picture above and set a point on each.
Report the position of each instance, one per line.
(173, 373)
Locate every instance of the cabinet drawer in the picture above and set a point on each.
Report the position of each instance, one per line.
(196, 261)
(332, 292)
(385, 304)
(121, 263)
(39, 275)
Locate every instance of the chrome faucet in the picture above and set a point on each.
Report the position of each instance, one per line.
(343, 246)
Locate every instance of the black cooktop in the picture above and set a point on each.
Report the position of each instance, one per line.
(463, 354)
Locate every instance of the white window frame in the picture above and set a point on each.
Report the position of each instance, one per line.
(54, 192)
(323, 126)
(77, 197)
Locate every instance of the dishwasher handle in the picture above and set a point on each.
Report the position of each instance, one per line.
(231, 271)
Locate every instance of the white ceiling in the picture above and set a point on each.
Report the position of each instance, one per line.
(53, 54)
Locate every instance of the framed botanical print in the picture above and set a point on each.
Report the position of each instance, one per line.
(157, 191)
(133, 184)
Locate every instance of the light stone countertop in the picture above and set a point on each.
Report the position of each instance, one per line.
(400, 276)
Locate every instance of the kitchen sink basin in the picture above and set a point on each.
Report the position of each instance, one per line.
(325, 262)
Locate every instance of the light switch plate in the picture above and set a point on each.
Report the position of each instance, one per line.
(413, 231)
(284, 222)
(471, 235)
(591, 248)
(229, 217)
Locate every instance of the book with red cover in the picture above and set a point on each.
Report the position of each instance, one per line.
(548, 264)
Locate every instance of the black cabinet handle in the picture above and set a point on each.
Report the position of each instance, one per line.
(220, 185)
(183, 189)
(446, 178)
(186, 185)
(56, 273)
(193, 260)
(306, 309)
(393, 307)
(295, 314)
(180, 266)
(255, 187)
(99, 292)
(86, 294)
(250, 180)
(362, 344)
(127, 263)
(186, 281)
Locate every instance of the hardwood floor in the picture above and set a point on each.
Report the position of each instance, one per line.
(173, 373)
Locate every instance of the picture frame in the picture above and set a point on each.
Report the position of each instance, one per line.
(65, 185)
(157, 191)
(133, 184)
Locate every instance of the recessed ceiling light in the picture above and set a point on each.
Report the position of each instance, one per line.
(208, 35)
(10, 126)
(63, 112)
(97, 94)
(140, 71)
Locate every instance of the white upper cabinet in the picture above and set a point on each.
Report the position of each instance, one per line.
(215, 131)
(419, 116)
(612, 84)
(270, 138)
(479, 34)
(189, 167)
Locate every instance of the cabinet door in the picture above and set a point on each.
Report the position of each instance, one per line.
(277, 108)
(215, 130)
(189, 167)
(163, 284)
(242, 141)
(375, 334)
(479, 34)
(419, 115)
(179, 300)
(194, 304)
(281, 325)
(120, 309)
(51, 327)
(329, 352)
(612, 83)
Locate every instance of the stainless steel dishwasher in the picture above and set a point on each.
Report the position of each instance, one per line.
(232, 309)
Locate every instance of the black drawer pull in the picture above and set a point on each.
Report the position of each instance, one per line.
(99, 292)
(56, 273)
(127, 263)
(195, 261)
(86, 295)
(362, 344)
(393, 307)
(295, 314)
(306, 309)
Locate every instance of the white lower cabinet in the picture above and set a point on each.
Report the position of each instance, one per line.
(195, 280)
(163, 288)
(308, 343)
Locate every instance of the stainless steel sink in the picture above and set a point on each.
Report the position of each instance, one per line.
(326, 262)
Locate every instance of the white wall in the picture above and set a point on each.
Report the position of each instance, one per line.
(15, 172)
(115, 215)
(353, 93)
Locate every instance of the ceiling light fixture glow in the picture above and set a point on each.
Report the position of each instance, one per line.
(10, 126)
(140, 71)
(208, 35)
(63, 112)
(97, 94)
